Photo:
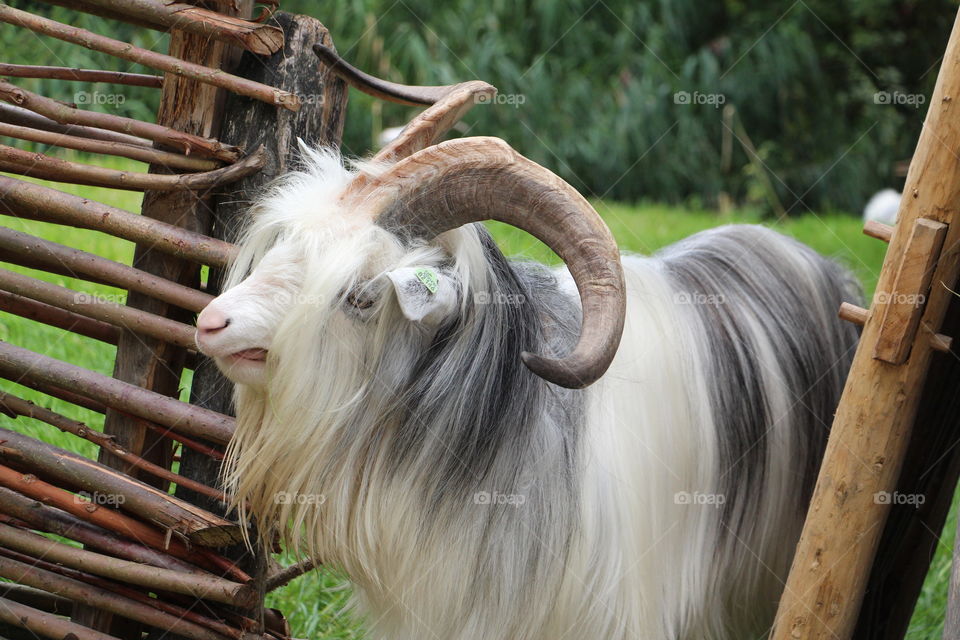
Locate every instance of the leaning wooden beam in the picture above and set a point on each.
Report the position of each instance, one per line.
(120, 149)
(159, 61)
(15, 245)
(256, 38)
(874, 421)
(65, 114)
(39, 165)
(41, 578)
(81, 75)
(13, 114)
(92, 306)
(19, 407)
(25, 199)
(119, 523)
(43, 517)
(153, 578)
(21, 364)
(46, 625)
(147, 502)
(56, 317)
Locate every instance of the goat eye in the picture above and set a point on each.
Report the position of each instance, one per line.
(359, 302)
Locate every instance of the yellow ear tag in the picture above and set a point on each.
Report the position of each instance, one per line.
(429, 278)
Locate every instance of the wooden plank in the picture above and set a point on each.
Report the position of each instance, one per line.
(320, 122)
(902, 305)
(925, 493)
(873, 423)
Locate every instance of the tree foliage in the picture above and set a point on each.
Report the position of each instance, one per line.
(668, 100)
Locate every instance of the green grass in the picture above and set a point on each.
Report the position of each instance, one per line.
(315, 603)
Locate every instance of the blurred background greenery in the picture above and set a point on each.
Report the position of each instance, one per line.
(782, 106)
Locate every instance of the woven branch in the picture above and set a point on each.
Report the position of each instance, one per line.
(42, 517)
(256, 38)
(39, 165)
(60, 318)
(20, 407)
(12, 114)
(123, 150)
(33, 201)
(159, 61)
(133, 496)
(80, 75)
(31, 251)
(45, 625)
(22, 364)
(42, 575)
(91, 306)
(119, 523)
(65, 114)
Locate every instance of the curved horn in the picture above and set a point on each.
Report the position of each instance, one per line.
(473, 179)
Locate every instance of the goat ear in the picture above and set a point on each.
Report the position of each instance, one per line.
(425, 295)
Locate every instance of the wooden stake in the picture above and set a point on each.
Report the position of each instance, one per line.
(872, 427)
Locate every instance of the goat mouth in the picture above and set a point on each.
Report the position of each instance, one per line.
(250, 355)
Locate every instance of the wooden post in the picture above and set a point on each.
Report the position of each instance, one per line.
(249, 123)
(195, 108)
(873, 423)
(912, 532)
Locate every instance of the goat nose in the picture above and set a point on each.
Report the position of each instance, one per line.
(210, 321)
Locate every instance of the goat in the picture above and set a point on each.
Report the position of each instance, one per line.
(406, 413)
(883, 206)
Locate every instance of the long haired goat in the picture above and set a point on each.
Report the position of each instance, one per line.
(385, 417)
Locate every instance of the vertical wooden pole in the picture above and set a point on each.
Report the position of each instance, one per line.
(873, 423)
(249, 124)
(195, 108)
